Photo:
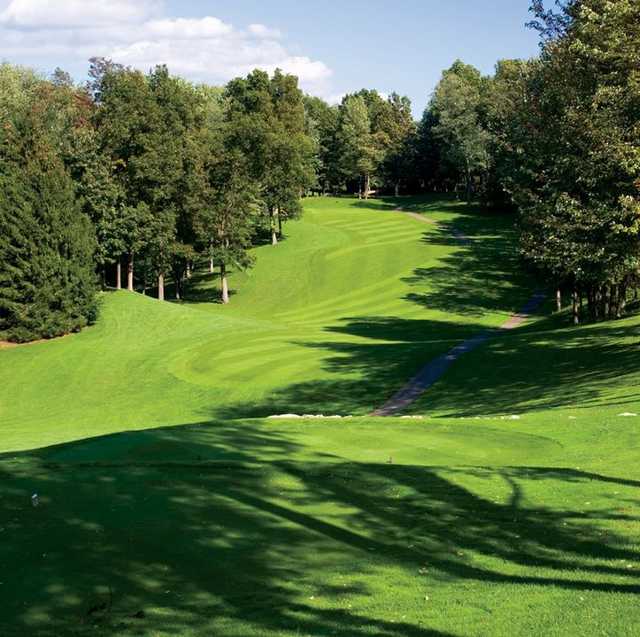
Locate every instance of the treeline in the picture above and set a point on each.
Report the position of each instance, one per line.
(134, 180)
(556, 139)
(138, 179)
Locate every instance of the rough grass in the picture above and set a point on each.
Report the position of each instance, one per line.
(467, 522)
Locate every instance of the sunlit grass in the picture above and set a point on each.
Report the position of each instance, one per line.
(168, 504)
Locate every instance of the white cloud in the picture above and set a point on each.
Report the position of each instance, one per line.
(262, 31)
(42, 14)
(49, 33)
(335, 98)
(188, 28)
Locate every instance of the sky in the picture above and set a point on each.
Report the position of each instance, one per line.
(333, 46)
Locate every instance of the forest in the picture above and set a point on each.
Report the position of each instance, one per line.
(137, 180)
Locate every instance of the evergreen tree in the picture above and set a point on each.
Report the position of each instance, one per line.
(47, 283)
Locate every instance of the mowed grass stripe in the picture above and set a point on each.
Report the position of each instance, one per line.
(464, 521)
(309, 302)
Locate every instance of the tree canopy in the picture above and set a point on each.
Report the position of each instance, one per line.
(159, 175)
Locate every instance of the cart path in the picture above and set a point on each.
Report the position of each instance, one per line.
(435, 369)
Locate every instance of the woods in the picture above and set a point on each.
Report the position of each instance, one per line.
(134, 180)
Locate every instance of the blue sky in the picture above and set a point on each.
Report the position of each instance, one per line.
(334, 46)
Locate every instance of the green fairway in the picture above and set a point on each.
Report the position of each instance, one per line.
(333, 321)
(170, 504)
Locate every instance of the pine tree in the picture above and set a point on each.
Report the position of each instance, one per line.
(47, 285)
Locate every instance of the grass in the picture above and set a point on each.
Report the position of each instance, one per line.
(468, 522)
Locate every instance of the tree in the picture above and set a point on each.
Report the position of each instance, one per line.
(579, 184)
(322, 127)
(359, 153)
(124, 120)
(396, 134)
(99, 196)
(266, 123)
(509, 116)
(290, 153)
(225, 223)
(456, 106)
(169, 159)
(47, 283)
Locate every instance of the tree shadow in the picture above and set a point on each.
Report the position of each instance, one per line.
(388, 351)
(540, 367)
(230, 529)
(202, 287)
(483, 274)
(160, 530)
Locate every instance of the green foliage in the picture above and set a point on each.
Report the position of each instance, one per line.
(456, 107)
(322, 127)
(225, 223)
(360, 154)
(168, 172)
(578, 180)
(46, 243)
(266, 122)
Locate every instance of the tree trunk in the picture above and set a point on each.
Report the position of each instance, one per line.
(210, 266)
(397, 189)
(576, 314)
(468, 186)
(274, 236)
(225, 285)
(559, 300)
(118, 274)
(367, 185)
(161, 287)
(130, 273)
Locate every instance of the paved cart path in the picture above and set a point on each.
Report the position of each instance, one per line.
(435, 369)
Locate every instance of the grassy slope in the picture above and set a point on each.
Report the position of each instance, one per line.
(333, 320)
(464, 524)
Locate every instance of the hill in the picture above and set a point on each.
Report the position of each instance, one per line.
(509, 508)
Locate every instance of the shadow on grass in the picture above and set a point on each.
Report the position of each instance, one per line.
(388, 351)
(483, 274)
(202, 287)
(537, 367)
(236, 530)
(542, 367)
